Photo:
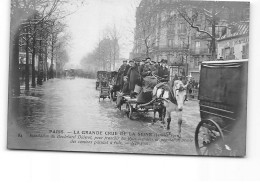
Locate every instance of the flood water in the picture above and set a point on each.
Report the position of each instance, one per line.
(73, 106)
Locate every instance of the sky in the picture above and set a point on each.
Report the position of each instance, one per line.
(88, 23)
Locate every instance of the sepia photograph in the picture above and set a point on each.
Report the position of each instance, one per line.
(163, 77)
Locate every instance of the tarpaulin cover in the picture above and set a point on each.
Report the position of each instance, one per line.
(223, 83)
(149, 83)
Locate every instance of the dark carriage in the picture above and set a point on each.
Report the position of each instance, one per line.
(102, 79)
(223, 102)
(114, 87)
(102, 84)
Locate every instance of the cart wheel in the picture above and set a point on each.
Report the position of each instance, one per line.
(129, 110)
(209, 139)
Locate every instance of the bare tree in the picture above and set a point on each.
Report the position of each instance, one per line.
(214, 14)
(114, 35)
(28, 20)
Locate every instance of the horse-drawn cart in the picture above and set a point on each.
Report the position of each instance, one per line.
(144, 101)
(133, 106)
(222, 95)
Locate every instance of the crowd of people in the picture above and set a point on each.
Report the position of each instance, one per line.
(134, 74)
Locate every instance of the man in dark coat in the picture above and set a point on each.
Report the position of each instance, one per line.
(153, 68)
(133, 76)
(146, 69)
(163, 71)
(121, 71)
(141, 66)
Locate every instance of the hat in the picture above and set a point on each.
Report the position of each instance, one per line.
(131, 61)
(164, 61)
(137, 60)
(148, 58)
(124, 61)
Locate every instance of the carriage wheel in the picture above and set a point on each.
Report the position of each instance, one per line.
(209, 139)
(129, 110)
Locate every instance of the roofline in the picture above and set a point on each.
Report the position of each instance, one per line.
(232, 37)
(228, 61)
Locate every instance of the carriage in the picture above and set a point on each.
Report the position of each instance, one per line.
(149, 103)
(106, 84)
(222, 95)
(114, 88)
(102, 79)
(102, 84)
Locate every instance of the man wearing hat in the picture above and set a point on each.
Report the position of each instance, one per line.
(141, 66)
(122, 72)
(158, 64)
(153, 68)
(133, 77)
(146, 69)
(163, 71)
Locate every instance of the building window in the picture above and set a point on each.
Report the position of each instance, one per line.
(245, 51)
(227, 53)
(170, 43)
(197, 47)
(182, 29)
(171, 28)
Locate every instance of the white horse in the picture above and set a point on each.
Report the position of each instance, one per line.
(173, 97)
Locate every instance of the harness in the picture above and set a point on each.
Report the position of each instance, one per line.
(172, 96)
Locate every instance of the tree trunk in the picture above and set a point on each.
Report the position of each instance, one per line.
(46, 64)
(33, 62)
(14, 66)
(213, 43)
(27, 70)
(33, 53)
(40, 66)
(52, 57)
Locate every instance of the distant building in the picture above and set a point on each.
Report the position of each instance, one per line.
(234, 44)
(161, 33)
(175, 41)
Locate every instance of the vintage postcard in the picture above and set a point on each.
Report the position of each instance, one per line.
(129, 76)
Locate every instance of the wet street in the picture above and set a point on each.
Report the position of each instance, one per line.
(63, 107)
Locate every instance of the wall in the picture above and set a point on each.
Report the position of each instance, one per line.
(236, 48)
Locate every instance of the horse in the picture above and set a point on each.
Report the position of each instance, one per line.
(172, 96)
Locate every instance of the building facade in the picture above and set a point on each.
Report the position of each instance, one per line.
(162, 33)
(234, 44)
